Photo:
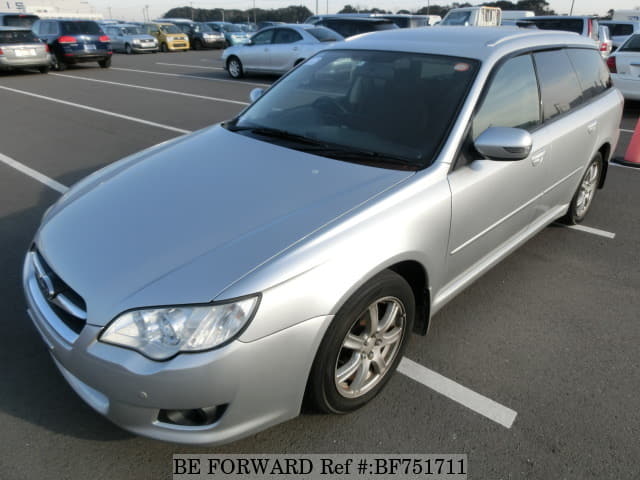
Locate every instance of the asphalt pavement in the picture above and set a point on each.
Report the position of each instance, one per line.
(550, 335)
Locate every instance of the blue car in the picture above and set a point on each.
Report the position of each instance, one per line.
(74, 41)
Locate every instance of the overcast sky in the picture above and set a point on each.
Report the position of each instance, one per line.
(132, 10)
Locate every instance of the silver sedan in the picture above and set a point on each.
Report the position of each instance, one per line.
(276, 50)
(198, 291)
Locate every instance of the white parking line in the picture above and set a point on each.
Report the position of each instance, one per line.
(458, 393)
(189, 66)
(162, 90)
(198, 77)
(98, 110)
(626, 130)
(49, 182)
(591, 230)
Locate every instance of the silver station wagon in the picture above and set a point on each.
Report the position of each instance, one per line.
(198, 291)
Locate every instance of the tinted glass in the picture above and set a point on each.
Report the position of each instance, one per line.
(348, 28)
(619, 29)
(19, 20)
(512, 99)
(456, 18)
(20, 36)
(592, 72)
(262, 38)
(203, 27)
(170, 29)
(558, 83)
(133, 30)
(184, 28)
(81, 28)
(229, 27)
(389, 104)
(567, 24)
(324, 34)
(631, 45)
(286, 35)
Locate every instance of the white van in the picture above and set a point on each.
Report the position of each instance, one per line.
(473, 17)
(629, 15)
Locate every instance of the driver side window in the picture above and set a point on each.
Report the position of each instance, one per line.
(512, 99)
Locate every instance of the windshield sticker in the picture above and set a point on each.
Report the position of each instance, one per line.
(461, 67)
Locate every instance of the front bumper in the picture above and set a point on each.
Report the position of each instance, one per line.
(258, 384)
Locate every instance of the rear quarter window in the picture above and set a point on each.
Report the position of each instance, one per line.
(631, 45)
(567, 24)
(18, 20)
(559, 85)
(592, 72)
(620, 29)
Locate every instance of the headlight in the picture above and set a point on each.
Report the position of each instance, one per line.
(136, 41)
(161, 333)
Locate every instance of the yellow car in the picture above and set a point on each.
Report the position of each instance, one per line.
(169, 37)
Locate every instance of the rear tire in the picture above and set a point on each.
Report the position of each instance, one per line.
(234, 67)
(57, 65)
(583, 198)
(363, 345)
(106, 63)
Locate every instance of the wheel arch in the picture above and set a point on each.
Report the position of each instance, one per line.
(416, 276)
(605, 151)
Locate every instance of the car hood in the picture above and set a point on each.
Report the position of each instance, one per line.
(140, 36)
(180, 223)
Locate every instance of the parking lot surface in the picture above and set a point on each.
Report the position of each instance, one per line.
(532, 371)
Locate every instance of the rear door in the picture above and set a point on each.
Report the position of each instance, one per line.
(493, 201)
(569, 125)
(286, 48)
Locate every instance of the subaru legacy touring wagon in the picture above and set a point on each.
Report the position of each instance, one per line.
(200, 290)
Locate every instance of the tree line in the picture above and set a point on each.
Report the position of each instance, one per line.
(299, 13)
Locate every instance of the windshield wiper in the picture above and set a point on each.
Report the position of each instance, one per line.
(368, 157)
(276, 133)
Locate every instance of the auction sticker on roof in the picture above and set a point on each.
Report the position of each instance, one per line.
(461, 67)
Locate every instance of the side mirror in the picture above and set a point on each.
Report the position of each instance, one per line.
(255, 94)
(502, 143)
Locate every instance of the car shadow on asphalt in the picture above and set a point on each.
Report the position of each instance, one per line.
(31, 388)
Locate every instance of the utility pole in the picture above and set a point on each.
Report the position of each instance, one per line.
(110, 15)
(327, 7)
(572, 2)
(317, 12)
(254, 11)
(191, 10)
(428, 7)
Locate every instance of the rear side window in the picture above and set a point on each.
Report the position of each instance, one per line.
(567, 24)
(324, 34)
(558, 83)
(620, 29)
(19, 20)
(17, 36)
(631, 45)
(262, 38)
(286, 35)
(512, 99)
(81, 28)
(592, 72)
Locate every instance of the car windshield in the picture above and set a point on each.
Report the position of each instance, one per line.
(203, 27)
(324, 34)
(456, 18)
(384, 108)
(170, 29)
(231, 28)
(20, 20)
(81, 28)
(17, 36)
(132, 31)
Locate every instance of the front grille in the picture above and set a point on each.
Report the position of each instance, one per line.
(67, 304)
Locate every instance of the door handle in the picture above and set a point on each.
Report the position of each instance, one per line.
(592, 127)
(538, 157)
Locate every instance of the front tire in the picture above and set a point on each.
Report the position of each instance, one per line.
(583, 198)
(363, 346)
(164, 48)
(127, 49)
(197, 45)
(234, 67)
